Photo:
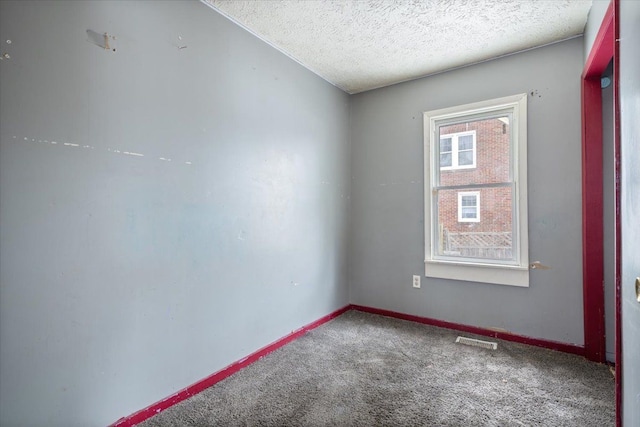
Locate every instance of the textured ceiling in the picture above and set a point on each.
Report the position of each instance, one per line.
(364, 44)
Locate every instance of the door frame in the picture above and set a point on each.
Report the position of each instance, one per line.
(604, 49)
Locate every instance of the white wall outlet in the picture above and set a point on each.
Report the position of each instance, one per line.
(416, 281)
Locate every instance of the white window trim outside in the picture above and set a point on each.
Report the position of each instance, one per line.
(514, 274)
(468, 193)
(455, 149)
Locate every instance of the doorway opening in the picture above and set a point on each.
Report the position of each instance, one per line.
(603, 52)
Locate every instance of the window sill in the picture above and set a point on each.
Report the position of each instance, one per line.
(484, 273)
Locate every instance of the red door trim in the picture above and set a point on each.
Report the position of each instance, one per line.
(592, 220)
(603, 46)
(604, 49)
(592, 202)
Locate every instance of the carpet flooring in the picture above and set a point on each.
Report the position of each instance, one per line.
(362, 369)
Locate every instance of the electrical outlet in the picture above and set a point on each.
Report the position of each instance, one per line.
(416, 281)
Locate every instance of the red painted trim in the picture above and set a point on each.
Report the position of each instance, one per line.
(207, 382)
(592, 199)
(618, 228)
(603, 46)
(507, 336)
(592, 221)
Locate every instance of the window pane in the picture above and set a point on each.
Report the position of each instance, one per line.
(465, 158)
(445, 145)
(469, 212)
(445, 160)
(465, 142)
(488, 239)
(468, 200)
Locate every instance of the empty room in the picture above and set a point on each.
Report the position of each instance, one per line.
(319, 213)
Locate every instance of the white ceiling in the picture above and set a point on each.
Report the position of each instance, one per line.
(364, 44)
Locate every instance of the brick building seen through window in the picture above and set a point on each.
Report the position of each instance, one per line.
(475, 222)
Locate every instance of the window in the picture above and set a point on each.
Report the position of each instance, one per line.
(458, 151)
(469, 206)
(477, 153)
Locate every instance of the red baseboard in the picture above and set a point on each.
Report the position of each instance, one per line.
(553, 345)
(207, 382)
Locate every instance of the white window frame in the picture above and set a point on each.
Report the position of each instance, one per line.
(455, 150)
(462, 194)
(514, 273)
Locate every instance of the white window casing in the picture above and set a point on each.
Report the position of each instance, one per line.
(514, 270)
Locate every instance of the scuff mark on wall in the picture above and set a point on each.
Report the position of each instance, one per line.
(180, 45)
(537, 265)
(115, 151)
(103, 40)
(6, 55)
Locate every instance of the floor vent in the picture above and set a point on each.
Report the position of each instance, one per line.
(477, 343)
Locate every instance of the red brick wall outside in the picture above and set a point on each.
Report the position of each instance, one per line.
(492, 166)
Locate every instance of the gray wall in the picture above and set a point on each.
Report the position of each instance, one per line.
(387, 233)
(630, 206)
(125, 278)
(594, 20)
